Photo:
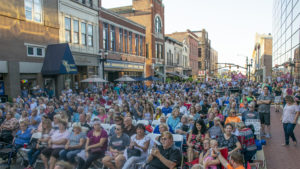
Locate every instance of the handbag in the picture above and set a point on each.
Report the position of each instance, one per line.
(133, 152)
(33, 143)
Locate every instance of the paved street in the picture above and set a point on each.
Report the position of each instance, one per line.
(277, 156)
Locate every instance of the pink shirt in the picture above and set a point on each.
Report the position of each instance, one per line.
(57, 135)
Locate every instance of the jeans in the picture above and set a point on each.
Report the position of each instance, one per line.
(248, 156)
(33, 155)
(68, 155)
(91, 158)
(289, 132)
(132, 161)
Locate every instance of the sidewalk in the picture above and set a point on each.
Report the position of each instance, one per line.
(277, 156)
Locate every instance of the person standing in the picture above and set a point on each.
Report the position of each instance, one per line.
(289, 119)
(264, 102)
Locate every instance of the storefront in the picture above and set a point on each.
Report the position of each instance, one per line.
(114, 69)
(59, 68)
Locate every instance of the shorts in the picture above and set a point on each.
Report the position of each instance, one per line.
(51, 152)
(265, 118)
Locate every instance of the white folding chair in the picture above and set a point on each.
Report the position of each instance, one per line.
(177, 138)
(106, 127)
(144, 122)
(155, 123)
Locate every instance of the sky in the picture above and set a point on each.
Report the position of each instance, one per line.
(231, 24)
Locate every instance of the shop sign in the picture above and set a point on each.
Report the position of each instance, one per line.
(69, 67)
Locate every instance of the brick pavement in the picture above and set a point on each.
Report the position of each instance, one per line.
(277, 156)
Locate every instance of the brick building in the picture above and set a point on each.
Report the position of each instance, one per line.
(191, 40)
(26, 28)
(125, 42)
(204, 53)
(262, 57)
(149, 13)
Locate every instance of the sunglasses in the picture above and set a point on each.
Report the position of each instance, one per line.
(164, 139)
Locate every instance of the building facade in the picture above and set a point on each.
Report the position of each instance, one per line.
(174, 61)
(204, 54)
(213, 62)
(286, 38)
(78, 22)
(190, 41)
(125, 42)
(262, 58)
(149, 13)
(26, 28)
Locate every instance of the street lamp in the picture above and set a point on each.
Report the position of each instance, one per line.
(102, 59)
(249, 67)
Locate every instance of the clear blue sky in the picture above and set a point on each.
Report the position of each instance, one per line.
(231, 24)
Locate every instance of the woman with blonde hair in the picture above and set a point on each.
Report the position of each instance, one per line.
(41, 143)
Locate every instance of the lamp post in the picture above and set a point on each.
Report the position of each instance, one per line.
(248, 67)
(102, 59)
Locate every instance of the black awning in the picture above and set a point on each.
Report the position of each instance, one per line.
(59, 60)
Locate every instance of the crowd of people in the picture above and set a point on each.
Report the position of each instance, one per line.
(213, 119)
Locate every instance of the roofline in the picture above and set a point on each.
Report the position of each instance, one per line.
(174, 40)
(121, 17)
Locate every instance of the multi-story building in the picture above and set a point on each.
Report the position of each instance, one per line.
(213, 62)
(125, 42)
(149, 13)
(204, 53)
(26, 28)
(79, 28)
(190, 41)
(173, 57)
(262, 57)
(286, 37)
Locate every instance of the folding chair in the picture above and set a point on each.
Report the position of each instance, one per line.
(23, 151)
(144, 122)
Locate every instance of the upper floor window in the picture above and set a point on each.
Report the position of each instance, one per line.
(112, 38)
(121, 40)
(33, 10)
(126, 41)
(90, 35)
(83, 33)
(130, 42)
(105, 36)
(141, 46)
(158, 25)
(35, 51)
(137, 44)
(75, 31)
(67, 29)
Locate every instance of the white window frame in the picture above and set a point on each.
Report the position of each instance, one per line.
(90, 35)
(69, 30)
(83, 34)
(35, 47)
(75, 33)
(33, 12)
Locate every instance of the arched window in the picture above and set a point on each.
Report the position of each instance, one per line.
(157, 24)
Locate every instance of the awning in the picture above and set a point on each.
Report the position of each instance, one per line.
(59, 60)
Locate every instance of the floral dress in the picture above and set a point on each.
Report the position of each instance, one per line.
(197, 143)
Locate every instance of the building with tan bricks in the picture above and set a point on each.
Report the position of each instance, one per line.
(262, 57)
(26, 28)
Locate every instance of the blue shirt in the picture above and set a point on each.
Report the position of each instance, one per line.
(75, 117)
(22, 138)
(156, 130)
(166, 110)
(37, 119)
(173, 122)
